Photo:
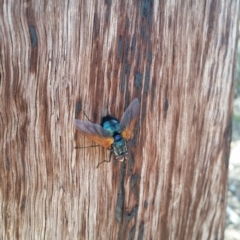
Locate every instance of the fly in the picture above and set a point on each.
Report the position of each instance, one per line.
(112, 134)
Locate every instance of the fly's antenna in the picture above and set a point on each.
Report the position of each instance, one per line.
(107, 110)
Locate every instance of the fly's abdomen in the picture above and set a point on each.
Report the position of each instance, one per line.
(119, 146)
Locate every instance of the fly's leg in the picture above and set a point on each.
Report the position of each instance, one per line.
(91, 122)
(87, 117)
(87, 146)
(109, 160)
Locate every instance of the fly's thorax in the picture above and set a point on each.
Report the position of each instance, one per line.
(111, 124)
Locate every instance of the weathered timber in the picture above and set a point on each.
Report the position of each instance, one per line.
(58, 58)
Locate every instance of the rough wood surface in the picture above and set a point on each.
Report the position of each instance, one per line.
(60, 57)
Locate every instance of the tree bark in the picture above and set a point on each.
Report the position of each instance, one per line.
(61, 57)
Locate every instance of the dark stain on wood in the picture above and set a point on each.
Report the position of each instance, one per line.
(147, 79)
(108, 10)
(166, 107)
(78, 108)
(120, 48)
(227, 136)
(138, 80)
(212, 18)
(33, 36)
(141, 231)
(133, 45)
(130, 160)
(96, 27)
(225, 35)
(135, 182)
(132, 233)
(132, 213)
(146, 8)
(7, 164)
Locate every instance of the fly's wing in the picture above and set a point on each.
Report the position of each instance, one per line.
(94, 132)
(129, 118)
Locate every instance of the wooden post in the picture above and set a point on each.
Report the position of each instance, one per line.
(61, 57)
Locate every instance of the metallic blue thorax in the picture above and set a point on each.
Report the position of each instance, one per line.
(119, 145)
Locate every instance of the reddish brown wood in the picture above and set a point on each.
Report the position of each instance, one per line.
(61, 57)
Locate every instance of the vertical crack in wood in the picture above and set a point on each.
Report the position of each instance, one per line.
(121, 194)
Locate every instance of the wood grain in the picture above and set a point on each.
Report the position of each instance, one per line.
(61, 57)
